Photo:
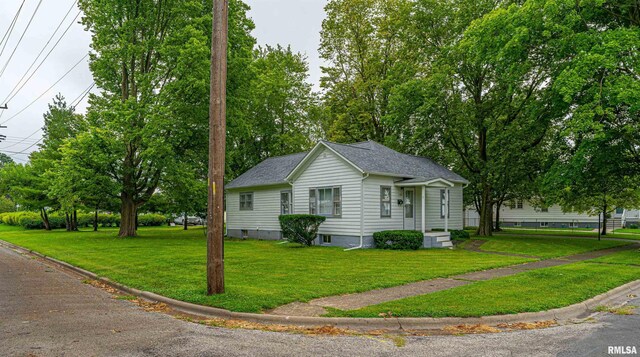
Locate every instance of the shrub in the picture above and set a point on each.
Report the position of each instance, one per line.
(398, 240)
(300, 228)
(151, 220)
(459, 234)
(109, 219)
(633, 226)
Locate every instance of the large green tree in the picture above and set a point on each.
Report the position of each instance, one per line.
(362, 42)
(151, 61)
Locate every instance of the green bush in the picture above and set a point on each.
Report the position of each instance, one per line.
(109, 219)
(459, 234)
(151, 220)
(300, 228)
(633, 226)
(398, 240)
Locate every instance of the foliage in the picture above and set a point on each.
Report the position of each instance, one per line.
(151, 220)
(6, 204)
(300, 228)
(398, 240)
(33, 220)
(459, 234)
(5, 159)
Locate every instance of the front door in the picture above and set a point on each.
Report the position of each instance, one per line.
(409, 208)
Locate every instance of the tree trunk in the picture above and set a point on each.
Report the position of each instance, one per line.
(67, 222)
(497, 226)
(485, 227)
(95, 220)
(127, 217)
(185, 223)
(604, 220)
(45, 219)
(75, 220)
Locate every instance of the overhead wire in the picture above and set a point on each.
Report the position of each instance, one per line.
(46, 91)
(20, 85)
(12, 25)
(20, 39)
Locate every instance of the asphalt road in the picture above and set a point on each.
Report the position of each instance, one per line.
(47, 312)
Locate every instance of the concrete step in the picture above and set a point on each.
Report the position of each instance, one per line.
(443, 239)
(447, 244)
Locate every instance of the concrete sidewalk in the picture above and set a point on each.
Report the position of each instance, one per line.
(317, 307)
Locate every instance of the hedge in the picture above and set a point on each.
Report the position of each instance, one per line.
(459, 234)
(32, 220)
(300, 228)
(398, 240)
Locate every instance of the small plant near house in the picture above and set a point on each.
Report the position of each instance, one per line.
(398, 240)
(459, 235)
(300, 228)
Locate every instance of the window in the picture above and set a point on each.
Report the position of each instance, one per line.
(519, 204)
(573, 225)
(325, 239)
(385, 201)
(544, 224)
(444, 204)
(545, 209)
(408, 203)
(286, 204)
(325, 201)
(517, 224)
(244, 233)
(246, 201)
(512, 204)
(619, 210)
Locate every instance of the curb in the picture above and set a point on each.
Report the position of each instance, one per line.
(616, 296)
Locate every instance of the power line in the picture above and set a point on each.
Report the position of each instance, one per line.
(21, 37)
(46, 91)
(19, 86)
(20, 142)
(12, 25)
(82, 95)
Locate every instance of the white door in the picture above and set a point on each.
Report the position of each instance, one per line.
(409, 209)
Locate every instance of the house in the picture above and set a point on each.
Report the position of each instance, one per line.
(361, 188)
(523, 214)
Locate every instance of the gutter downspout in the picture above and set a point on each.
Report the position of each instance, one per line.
(361, 214)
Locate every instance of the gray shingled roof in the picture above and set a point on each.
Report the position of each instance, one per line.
(369, 156)
(271, 171)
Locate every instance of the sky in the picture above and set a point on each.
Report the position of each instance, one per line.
(65, 69)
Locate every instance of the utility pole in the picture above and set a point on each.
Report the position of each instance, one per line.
(217, 138)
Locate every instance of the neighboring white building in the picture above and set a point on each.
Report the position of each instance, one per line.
(361, 188)
(520, 213)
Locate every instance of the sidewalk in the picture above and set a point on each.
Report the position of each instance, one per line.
(317, 307)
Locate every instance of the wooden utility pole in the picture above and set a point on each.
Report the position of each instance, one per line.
(217, 137)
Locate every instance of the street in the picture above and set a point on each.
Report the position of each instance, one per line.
(47, 312)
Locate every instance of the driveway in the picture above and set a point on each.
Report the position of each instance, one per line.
(48, 312)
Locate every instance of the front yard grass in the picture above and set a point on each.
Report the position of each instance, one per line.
(629, 257)
(536, 290)
(565, 233)
(260, 275)
(544, 247)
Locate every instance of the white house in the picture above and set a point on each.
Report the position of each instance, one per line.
(361, 188)
(521, 213)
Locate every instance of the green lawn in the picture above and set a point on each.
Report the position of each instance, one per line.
(628, 230)
(544, 247)
(259, 274)
(631, 257)
(618, 233)
(536, 290)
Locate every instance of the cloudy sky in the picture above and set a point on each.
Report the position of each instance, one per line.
(37, 62)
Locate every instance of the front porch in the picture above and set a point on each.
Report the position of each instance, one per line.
(428, 213)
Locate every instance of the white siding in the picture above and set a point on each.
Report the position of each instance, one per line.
(433, 218)
(266, 209)
(529, 213)
(327, 169)
(373, 221)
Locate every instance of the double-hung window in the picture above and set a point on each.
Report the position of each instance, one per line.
(385, 201)
(326, 201)
(246, 201)
(444, 204)
(286, 204)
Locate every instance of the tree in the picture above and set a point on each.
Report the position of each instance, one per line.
(5, 160)
(487, 98)
(28, 189)
(586, 179)
(361, 40)
(151, 62)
